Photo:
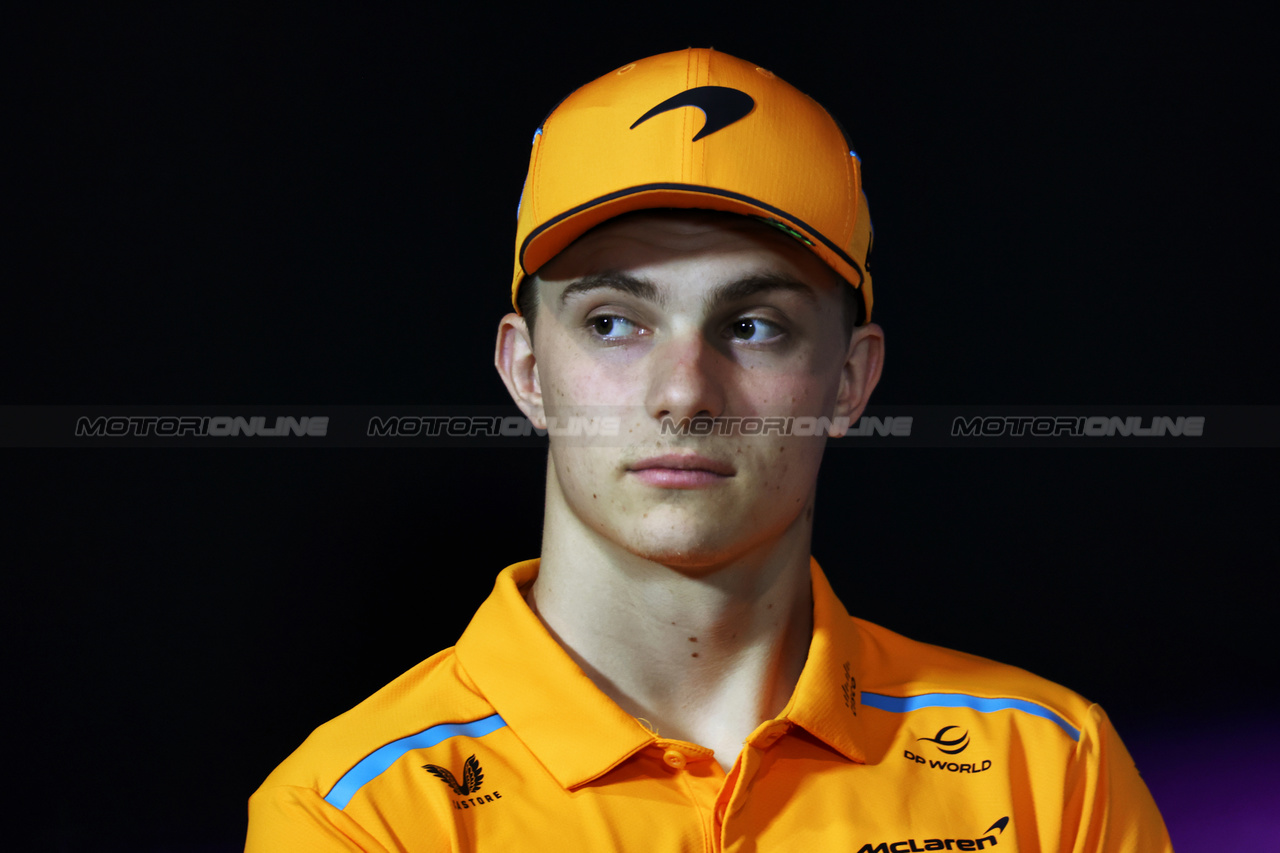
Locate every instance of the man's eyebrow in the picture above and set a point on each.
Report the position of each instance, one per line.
(734, 291)
(753, 285)
(638, 287)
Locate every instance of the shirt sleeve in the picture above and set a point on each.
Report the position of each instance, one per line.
(285, 819)
(1114, 811)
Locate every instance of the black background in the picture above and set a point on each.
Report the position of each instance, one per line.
(312, 205)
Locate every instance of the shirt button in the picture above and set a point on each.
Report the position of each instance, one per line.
(675, 758)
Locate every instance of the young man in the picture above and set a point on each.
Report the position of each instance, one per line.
(675, 673)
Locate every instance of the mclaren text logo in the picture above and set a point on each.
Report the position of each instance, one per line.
(472, 777)
(915, 845)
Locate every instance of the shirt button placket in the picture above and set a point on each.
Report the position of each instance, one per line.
(743, 777)
(722, 803)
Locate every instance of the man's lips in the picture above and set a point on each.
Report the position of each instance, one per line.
(681, 471)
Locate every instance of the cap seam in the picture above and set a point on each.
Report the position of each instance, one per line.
(850, 222)
(690, 77)
(535, 182)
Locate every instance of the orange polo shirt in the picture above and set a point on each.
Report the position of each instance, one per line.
(887, 746)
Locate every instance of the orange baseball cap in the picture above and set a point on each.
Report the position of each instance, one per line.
(754, 145)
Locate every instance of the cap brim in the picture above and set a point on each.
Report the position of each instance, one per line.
(555, 235)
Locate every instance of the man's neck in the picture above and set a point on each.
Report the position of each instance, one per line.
(706, 655)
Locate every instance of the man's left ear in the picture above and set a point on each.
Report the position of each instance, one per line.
(862, 365)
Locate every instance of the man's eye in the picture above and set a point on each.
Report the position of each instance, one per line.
(753, 330)
(613, 327)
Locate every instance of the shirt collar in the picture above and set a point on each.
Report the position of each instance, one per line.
(575, 730)
(825, 702)
(579, 733)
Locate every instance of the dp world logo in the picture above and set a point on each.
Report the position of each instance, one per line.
(949, 745)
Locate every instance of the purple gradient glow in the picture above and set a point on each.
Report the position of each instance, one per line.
(1216, 780)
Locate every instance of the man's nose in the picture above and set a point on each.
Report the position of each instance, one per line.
(685, 378)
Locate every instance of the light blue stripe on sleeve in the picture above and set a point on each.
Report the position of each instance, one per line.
(902, 704)
(372, 766)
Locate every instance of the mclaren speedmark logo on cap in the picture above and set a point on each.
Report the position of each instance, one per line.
(721, 105)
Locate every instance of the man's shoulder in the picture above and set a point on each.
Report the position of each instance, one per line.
(902, 674)
(433, 696)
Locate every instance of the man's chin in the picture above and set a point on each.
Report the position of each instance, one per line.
(691, 556)
(701, 544)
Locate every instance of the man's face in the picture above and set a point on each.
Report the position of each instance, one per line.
(674, 316)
